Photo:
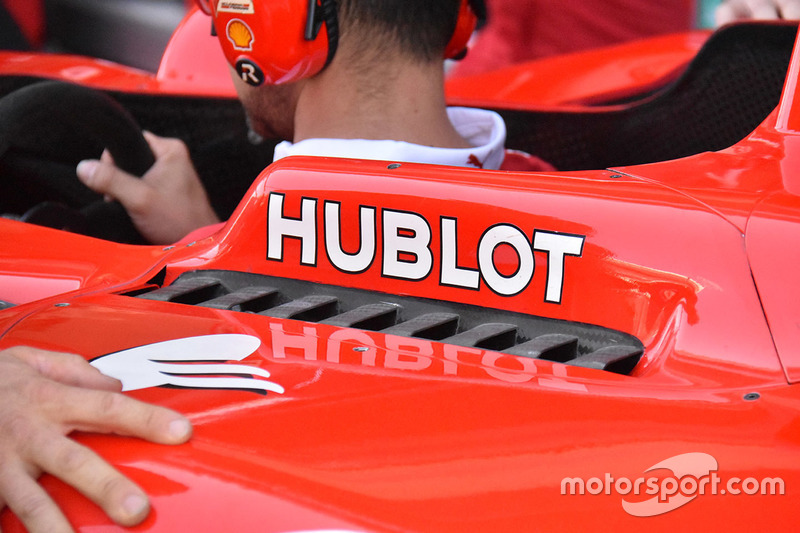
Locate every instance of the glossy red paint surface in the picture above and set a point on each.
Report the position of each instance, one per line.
(37, 263)
(772, 230)
(375, 432)
(192, 64)
(583, 78)
(753, 185)
(396, 438)
(413, 434)
(77, 69)
(789, 111)
(650, 269)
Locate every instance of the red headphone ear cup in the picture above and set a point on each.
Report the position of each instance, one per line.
(465, 25)
(273, 42)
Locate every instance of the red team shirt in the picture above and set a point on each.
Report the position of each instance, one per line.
(521, 30)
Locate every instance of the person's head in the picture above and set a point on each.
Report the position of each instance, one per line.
(281, 41)
(417, 29)
(275, 46)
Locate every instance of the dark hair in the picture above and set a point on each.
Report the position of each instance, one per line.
(421, 28)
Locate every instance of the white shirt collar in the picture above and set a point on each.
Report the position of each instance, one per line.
(485, 130)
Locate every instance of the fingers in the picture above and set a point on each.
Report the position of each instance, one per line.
(159, 145)
(167, 147)
(105, 178)
(43, 397)
(764, 9)
(66, 368)
(732, 10)
(109, 412)
(121, 499)
(30, 502)
(790, 9)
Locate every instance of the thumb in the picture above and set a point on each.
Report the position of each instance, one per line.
(105, 178)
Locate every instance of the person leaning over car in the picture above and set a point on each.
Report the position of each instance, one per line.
(373, 102)
(368, 94)
(382, 92)
(380, 97)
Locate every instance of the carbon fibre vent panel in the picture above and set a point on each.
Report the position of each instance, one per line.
(463, 325)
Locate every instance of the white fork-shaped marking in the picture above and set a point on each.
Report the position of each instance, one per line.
(178, 362)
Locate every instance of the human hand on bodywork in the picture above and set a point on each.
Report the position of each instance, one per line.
(43, 397)
(165, 204)
(732, 10)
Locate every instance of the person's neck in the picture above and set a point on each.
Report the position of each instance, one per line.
(401, 101)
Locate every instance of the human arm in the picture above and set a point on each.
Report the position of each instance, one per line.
(732, 10)
(167, 202)
(44, 396)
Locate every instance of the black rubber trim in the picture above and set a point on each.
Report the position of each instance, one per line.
(728, 89)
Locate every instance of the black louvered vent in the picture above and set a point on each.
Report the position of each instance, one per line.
(463, 325)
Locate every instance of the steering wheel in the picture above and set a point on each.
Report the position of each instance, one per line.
(48, 127)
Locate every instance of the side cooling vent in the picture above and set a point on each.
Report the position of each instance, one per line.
(463, 325)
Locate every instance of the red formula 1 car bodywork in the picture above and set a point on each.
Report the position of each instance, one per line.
(368, 346)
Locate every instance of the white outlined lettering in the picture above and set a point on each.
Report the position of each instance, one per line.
(404, 242)
(514, 237)
(557, 246)
(406, 235)
(346, 262)
(452, 275)
(303, 228)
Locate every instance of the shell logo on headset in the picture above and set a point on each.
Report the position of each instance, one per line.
(240, 34)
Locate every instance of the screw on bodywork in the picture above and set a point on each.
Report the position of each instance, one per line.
(168, 248)
(62, 305)
(615, 176)
(360, 349)
(752, 396)
(394, 166)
